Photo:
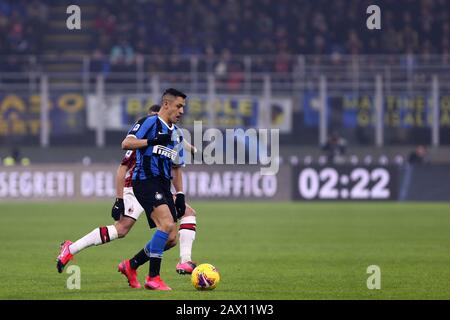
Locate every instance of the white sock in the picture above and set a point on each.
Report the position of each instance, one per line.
(95, 237)
(187, 237)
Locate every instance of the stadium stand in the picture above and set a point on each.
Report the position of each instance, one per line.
(183, 42)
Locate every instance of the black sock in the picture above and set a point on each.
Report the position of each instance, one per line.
(139, 259)
(155, 266)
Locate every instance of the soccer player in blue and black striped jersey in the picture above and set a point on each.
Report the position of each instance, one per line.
(159, 158)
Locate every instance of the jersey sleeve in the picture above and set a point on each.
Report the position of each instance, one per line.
(180, 157)
(141, 128)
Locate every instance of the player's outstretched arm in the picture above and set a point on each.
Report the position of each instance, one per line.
(189, 147)
(118, 206)
(133, 143)
(177, 181)
(120, 180)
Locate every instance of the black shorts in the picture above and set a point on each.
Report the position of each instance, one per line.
(151, 193)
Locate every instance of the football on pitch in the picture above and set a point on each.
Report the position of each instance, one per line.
(205, 277)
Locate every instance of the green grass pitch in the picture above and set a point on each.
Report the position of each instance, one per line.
(263, 250)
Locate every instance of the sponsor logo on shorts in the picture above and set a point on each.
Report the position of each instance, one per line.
(158, 196)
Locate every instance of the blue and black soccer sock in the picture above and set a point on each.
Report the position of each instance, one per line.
(154, 249)
(139, 259)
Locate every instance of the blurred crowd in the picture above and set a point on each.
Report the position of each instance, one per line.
(23, 24)
(270, 27)
(123, 30)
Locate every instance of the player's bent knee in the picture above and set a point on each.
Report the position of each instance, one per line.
(121, 231)
(171, 227)
(171, 242)
(123, 227)
(168, 227)
(190, 212)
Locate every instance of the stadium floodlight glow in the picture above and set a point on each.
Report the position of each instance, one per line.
(322, 160)
(294, 160)
(383, 160)
(399, 159)
(307, 160)
(368, 160)
(354, 159)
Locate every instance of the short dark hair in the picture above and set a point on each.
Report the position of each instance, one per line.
(154, 108)
(174, 92)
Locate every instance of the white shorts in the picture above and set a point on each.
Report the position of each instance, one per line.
(133, 209)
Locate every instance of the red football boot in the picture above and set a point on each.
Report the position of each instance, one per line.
(185, 268)
(64, 256)
(155, 283)
(131, 274)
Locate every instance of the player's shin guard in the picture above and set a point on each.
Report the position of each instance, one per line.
(154, 249)
(187, 236)
(94, 238)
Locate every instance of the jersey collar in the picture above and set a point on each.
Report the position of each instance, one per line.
(170, 128)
